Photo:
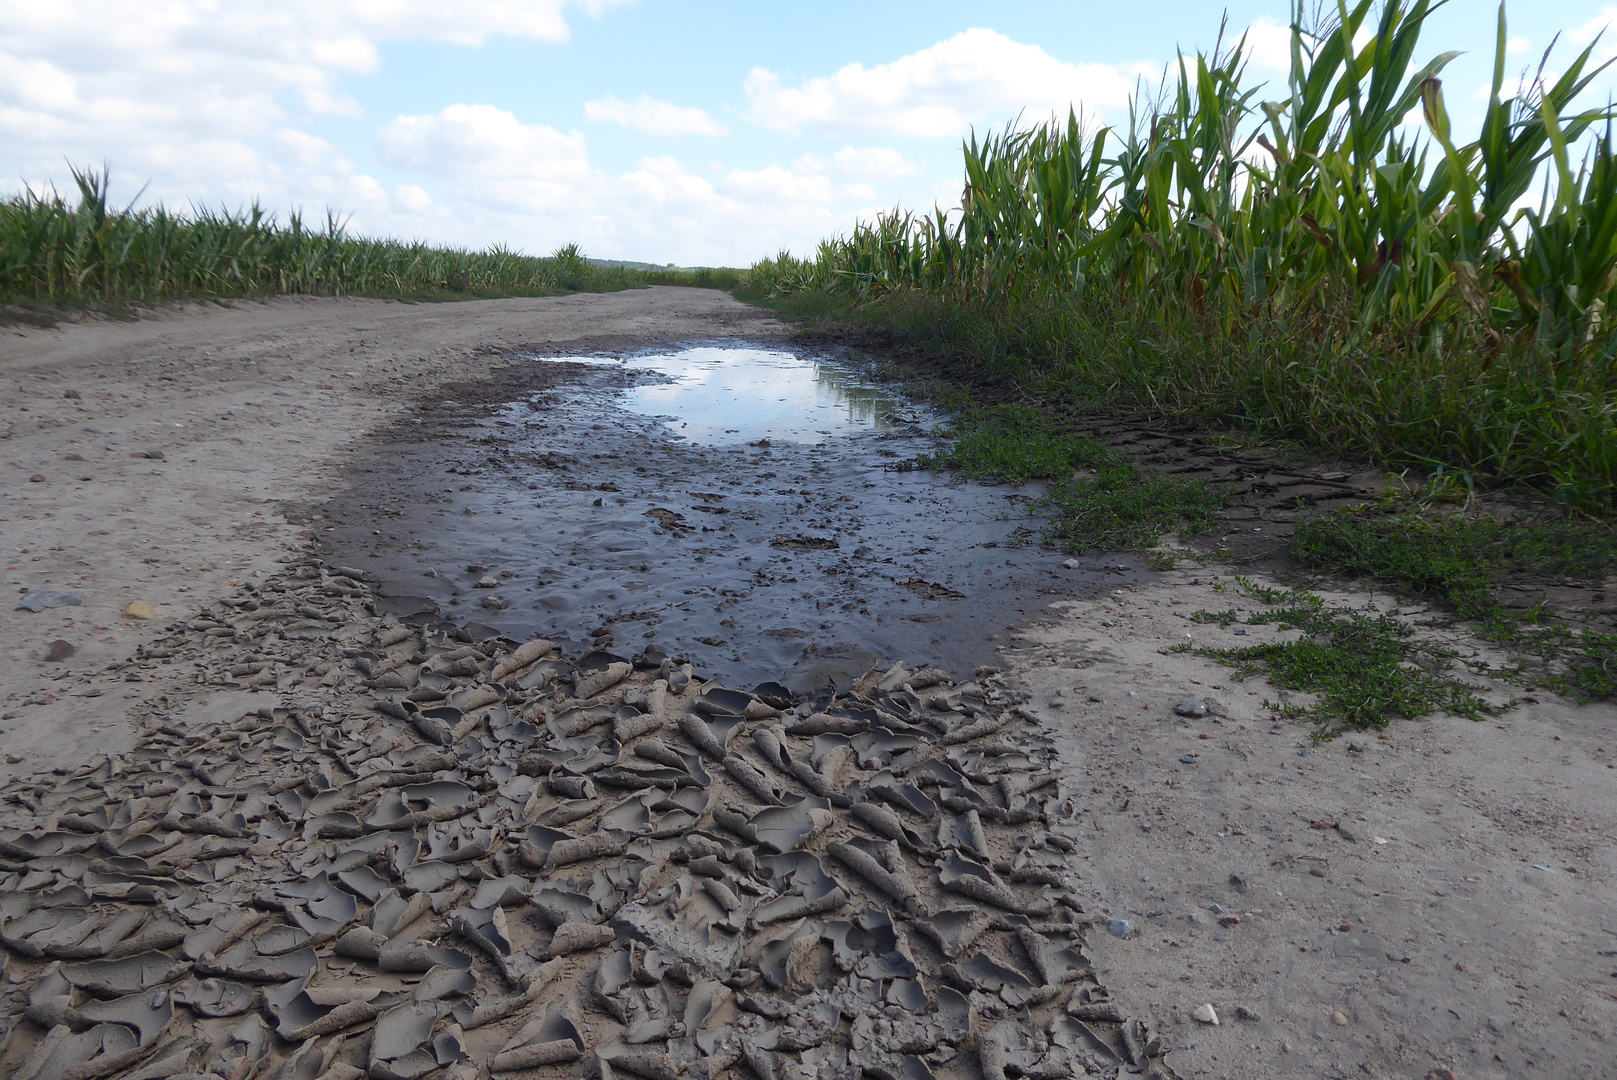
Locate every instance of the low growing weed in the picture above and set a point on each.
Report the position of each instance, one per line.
(1363, 666)
(1459, 561)
(1097, 501)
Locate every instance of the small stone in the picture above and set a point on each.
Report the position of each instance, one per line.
(1339, 1018)
(74, 456)
(141, 609)
(59, 650)
(1244, 1013)
(488, 581)
(1190, 707)
(37, 478)
(43, 599)
(1238, 880)
(1071, 564)
(1229, 919)
(71, 395)
(1204, 1014)
(1120, 928)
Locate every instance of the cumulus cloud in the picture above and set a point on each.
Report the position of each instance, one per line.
(653, 117)
(1268, 45)
(142, 84)
(534, 187)
(937, 92)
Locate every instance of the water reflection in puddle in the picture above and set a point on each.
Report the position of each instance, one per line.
(719, 396)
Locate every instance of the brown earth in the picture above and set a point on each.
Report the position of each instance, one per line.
(246, 403)
(1478, 936)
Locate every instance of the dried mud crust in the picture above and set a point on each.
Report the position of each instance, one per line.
(465, 857)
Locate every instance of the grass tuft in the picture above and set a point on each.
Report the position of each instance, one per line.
(1459, 562)
(1363, 666)
(1097, 500)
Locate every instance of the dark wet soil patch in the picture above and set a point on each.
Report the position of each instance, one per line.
(536, 502)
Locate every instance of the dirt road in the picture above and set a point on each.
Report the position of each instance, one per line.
(1454, 914)
(237, 408)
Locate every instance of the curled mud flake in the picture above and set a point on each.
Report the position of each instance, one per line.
(364, 883)
(559, 905)
(420, 957)
(896, 885)
(743, 773)
(983, 972)
(430, 876)
(214, 997)
(583, 849)
(613, 974)
(399, 1044)
(598, 682)
(663, 754)
(129, 975)
(498, 1009)
(534, 849)
(702, 735)
(552, 1038)
(524, 655)
(244, 962)
(908, 994)
(968, 878)
(509, 891)
(715, 700)
(567, 812)
(571, 937)
(361, 943)
(825, 723)
(963, 832)
(148, 1014)
(900, 793)
(884, 823)
(442, 982)
(783, 828)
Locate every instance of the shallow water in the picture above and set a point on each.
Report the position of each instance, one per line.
(722, 396)
(761, 538)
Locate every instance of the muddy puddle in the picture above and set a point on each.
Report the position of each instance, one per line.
(738, 505)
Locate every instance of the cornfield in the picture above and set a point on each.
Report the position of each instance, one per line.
(53, 250)
(1305, 261)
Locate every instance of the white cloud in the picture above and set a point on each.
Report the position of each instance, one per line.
(653, 117)
(874, 162)
(1601, 24)
(1518, 45)
(1268, 45)
(866, 162)
(176, 82)
(940, 91)
(485, 176)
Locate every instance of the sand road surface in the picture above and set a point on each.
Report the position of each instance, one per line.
(1435, 903)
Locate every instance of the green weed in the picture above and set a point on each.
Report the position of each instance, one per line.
(1096, 500)
(1014, 444)
(1363, 667)
(1458, 561)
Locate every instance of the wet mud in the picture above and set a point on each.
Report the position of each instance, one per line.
(745, 507)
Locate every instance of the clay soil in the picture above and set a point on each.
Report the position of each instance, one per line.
(1456, 914)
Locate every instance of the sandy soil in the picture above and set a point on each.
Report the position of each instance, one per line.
(1458, 916)
(1472, 864)
(247, 404)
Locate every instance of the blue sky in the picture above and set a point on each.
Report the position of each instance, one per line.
(695, 132)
